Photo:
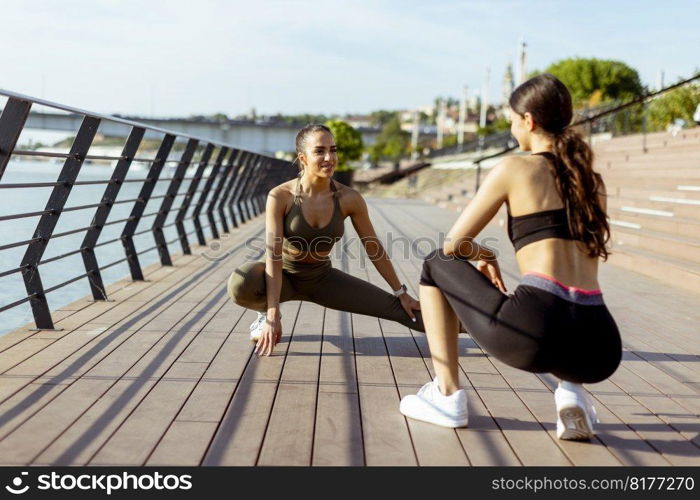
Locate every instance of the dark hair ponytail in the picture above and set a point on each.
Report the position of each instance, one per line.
(549, 102)
(579, 187)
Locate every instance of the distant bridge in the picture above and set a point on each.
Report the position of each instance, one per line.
(257, 136)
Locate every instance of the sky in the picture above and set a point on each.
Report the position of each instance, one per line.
(185, 57)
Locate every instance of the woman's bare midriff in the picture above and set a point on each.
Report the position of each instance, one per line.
(305, 257)
(560, 259)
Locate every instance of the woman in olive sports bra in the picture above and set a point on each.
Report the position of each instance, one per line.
(299, 239)
(556, 320)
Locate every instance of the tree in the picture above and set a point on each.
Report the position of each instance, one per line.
(382, 117)
(348, 141)
(591, 80)
(676, 104)
(392, 142)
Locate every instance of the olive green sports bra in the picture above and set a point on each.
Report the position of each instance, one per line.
(306, 238)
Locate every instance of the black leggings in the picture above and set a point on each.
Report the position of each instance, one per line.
(541, 327)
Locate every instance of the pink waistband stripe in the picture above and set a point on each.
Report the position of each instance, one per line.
(565, 287)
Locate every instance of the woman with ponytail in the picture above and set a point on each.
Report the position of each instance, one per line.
(555, 321)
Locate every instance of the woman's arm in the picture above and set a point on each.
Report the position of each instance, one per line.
(460, 240)
(357, 210)
(274, 234)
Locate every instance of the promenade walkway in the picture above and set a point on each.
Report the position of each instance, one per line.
(164, 375)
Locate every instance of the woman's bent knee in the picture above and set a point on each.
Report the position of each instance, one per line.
(246, 286)
(429, 263)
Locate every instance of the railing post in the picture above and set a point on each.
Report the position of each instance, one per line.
(217, 192)
(140, 205)
(167, 202)
(644, 127)
(203, 198)
(180, 218)
(102, 213)
(240, 201)
(255, 187)
(238, 172)
(230, 183)
(47, 222)
(243, 174)
(264, 187)
(478, 176)
(261, 187)
(12, 121)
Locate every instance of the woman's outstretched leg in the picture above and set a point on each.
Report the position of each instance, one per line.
(344, 292)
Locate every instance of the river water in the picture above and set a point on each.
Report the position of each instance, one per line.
(22, 200)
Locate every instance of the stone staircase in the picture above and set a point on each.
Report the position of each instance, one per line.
(654, 204)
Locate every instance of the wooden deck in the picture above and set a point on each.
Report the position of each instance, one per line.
(164, 375)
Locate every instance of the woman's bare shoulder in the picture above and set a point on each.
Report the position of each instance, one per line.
(348, 194)
(283, 191)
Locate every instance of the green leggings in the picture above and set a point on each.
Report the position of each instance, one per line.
(322, 284)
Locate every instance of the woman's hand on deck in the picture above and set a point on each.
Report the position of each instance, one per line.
(271, 336)
(409, 305)
(492, 271)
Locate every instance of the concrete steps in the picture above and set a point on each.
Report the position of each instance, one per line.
(676, 226)
(670, 270)
(660, 243)
(654, 204)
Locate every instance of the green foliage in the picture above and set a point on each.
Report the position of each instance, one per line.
(498, 125)
(382, 117)
(392, 142)
(349, 143)
(676, 104)
(593, 80)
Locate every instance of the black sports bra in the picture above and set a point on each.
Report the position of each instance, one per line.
(526, 229)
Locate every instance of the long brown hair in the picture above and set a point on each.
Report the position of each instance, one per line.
(549, 102)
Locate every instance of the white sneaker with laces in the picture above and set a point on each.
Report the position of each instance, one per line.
(575, 412)
(430, 405)
(256, 328)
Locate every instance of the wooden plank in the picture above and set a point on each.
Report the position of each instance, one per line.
(136, 437)
(240, 434)
(433, 445)
(386, 435)
(539, 399)
(338, 431)
(138, 393)
(183, 444)
(111, 369)
(289, 436)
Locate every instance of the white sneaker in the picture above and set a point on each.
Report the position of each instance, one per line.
(430, 405)
(575, 412)
(256, 328)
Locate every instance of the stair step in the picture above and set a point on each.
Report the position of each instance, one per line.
(654, 207)
(646, 192)
(678, 226)
(660, 243)
(667, 270)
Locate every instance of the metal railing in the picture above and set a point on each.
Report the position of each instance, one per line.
(228, 187)
(596, 122)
